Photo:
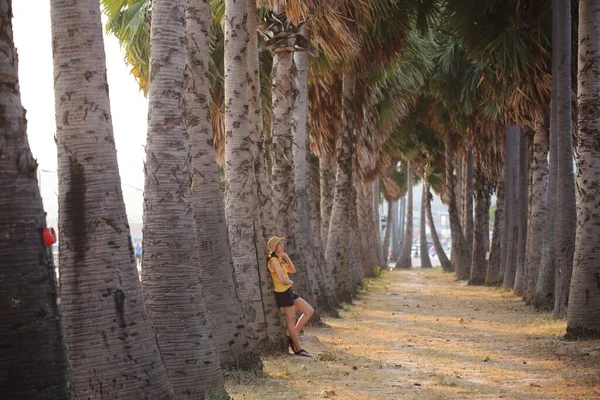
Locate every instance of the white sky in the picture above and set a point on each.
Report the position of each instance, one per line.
(31, 26)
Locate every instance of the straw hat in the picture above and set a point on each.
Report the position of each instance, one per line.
(273, 242)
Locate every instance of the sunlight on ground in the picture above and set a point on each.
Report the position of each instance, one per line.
(420, 334)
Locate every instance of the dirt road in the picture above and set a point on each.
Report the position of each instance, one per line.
(420, 334)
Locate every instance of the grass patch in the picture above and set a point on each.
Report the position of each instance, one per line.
(329, 356)
(345, 306)
(243, 377)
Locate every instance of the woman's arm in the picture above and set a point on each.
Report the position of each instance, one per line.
(290, 265)
(279, 273)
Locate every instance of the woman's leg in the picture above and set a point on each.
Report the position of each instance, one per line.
(307, 311)
(290, 317)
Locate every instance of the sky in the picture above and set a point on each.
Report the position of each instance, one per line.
(128, 106)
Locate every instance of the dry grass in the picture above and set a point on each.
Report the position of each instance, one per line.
(420, 334)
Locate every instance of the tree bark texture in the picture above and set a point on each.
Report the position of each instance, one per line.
(265, 330)
(112, 347)
(496, 250)
(401, 225)
(537, 209)
(304, 233)
(512, 198)
(216, 265)
(33, 355)
(171, 260)
(460, 257)
(481, 227)
(444, 261)
(394, 233)
(338, 241)
(523, 193)
(264, 217)
(467, 199)
(583, 317)
(425, 260)
(404, 260)
(565, 196)
(328, 171)
(545, 284)
(370, 239)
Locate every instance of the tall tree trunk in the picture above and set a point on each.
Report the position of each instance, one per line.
(104, 320)
(519, 284)
(33, 355)
(354, 257)
(313, 268)
(327, 171)
(264, 217)
(370, 235)
(441, 254)
(395, 230)
(241, 205)
(404, 260)
(385, 248)
(544, 288)
(460, 257)
(216, 266)
(375, 223)
(467, 199)
(565, 198)
(425, 260)
(512, 198)
(481, 227)
(537, 212)
(171, 275)
(338, 241)
(401, 225)
(497, 246)
(583, 318)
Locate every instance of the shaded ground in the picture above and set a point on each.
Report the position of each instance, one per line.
(420, 334)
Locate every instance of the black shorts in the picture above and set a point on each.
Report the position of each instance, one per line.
(285, 299)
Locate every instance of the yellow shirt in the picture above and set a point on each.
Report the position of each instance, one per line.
(279, 287)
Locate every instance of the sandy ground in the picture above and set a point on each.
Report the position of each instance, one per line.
(420, 334)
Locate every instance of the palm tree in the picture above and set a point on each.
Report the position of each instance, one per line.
(112, 349)
(171, 275)
(519, 283)
(425, 260)
(481, 226)
(537, 201)
(512, 225)
(497, 246)
(466, 197)
(221, 293)
(584, 301)
(564, 239)
(439, 250)
(29, 322)
(404, 260)
(241, 204)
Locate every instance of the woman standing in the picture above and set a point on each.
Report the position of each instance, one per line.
(280, 265)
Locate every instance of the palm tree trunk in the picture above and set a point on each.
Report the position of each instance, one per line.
(512, 198)
(388, 229)
(467, 199)
(354, 256)
(217, 274)
(425, 260)
(441, 254)
(104, 320)
(404, 260)
(394, 233)
(338, 241)
(375, 223)
(314, 269)
(460, 258)
(519, 283)
(370, 238)
(497, 248)
(170, 274)
(401, 225)
(264, 217)
(33, 355)
(328, 171)
(265, 330)
(565, 198)
(481, 227)
(583, 318)
(544, 288)
(537, 214)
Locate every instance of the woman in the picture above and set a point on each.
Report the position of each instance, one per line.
(280, 265)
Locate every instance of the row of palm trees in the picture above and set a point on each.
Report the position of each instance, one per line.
(414, 83)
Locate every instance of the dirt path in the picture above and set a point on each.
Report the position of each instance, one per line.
(420, 334)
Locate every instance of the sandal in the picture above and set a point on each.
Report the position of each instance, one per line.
(302, 353)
